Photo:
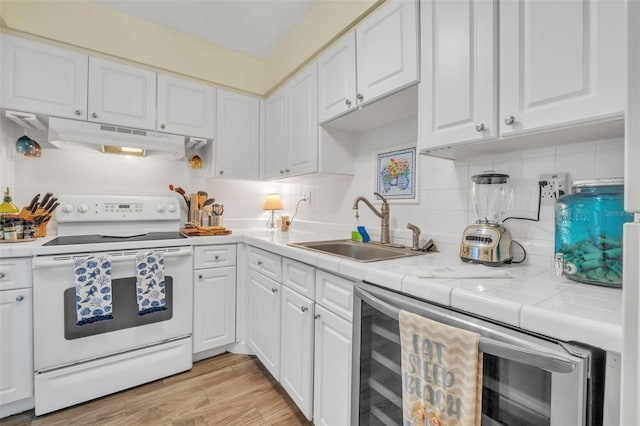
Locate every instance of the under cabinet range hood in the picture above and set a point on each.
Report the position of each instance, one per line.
(72, 134)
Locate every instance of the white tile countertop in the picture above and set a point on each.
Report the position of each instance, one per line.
(533, 298)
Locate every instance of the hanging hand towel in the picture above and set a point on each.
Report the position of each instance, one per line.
(150, 282)
(93, 289)
(441, 373)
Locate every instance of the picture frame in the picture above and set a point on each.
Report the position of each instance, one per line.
(396, 174)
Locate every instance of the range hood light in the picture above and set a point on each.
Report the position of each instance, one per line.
(123, 150)
(73, 134)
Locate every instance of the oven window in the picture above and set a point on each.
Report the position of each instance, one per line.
(125, 310)
(513, 393)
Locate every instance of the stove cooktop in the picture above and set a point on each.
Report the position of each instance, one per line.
(101, 239)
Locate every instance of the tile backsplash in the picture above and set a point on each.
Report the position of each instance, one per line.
(443, 208)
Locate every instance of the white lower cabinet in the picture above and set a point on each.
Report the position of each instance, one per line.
(214, 297)
(264, 320)
(332, 369)
(16, 336)
(296, 349)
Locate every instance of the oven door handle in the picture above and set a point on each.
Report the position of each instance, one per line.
(541, 359)
(116, 256)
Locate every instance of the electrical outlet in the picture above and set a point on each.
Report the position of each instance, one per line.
(555, 186)
(307, 197)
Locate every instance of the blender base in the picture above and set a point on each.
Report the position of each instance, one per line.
(487, 244)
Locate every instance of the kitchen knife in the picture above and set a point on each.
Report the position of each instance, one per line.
(52, 208)
(45, 200)
(33, 203)
(51, 202)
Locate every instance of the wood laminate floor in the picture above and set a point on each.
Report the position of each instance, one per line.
(225, 390)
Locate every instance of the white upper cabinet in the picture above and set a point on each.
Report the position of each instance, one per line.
(560, 62)
(303, 122)
(121, 94)
(291, 127)
(387, 49)
(42, 79)
(275, 133)
(237, 145)
(376, 59)
(186, 107)
(457, 101)
(337, 78)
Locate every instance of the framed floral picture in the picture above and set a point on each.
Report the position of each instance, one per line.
(396, 174)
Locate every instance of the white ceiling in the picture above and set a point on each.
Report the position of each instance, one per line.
(253, 27)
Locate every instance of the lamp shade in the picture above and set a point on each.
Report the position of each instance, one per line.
(273, 202)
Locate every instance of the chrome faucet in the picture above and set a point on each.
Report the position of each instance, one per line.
(416, 236)
(382, 214)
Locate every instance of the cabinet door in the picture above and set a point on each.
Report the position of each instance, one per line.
(16, 350)
(43, 79)
(458, 94)
(387, 49)
(121, 95)
(296, 349)
(275, 133)
(332, 375)
(237, 153)
(337, 78)
(560, 62)
(264, 320)
(214, 308)
(303, 122)
(186, 107)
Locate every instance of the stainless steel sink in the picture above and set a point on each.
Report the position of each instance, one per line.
(361, 252)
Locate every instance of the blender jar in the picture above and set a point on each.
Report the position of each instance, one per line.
(491, 195)
(588, 233)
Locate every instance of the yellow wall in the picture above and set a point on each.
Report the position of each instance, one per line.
(324, 23)
(97, 29)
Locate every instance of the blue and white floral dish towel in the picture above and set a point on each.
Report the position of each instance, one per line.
(150, 282)
(93, 289)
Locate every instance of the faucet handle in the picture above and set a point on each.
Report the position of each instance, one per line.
(384, 200)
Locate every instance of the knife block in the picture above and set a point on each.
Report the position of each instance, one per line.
(40, 230)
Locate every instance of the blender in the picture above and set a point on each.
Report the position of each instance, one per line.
(487, 241)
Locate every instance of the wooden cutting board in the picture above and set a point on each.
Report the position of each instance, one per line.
(202, 231)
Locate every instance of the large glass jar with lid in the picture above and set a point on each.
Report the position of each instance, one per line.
(588, 237)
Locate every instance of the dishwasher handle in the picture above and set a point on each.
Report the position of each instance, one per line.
(541, 359)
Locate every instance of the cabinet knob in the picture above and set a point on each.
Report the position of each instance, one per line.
(360, 97)
(347, 102)
(287, 170)
(316, 316)
(78, 112)
(94, 115)
(281, 172)
(200, 276)
(2, 275)
(19, 298)
(274, 290)
(479, 127)
(304, 308)
(216, 257)
(260, 263)
(509, 120)
(221, 172)
(162, 126)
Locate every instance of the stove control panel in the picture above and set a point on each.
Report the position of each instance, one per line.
(109, 208)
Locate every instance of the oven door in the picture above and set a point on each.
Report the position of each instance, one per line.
(527, 380)
(58, 341)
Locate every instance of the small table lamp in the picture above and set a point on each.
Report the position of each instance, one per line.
(272, 203)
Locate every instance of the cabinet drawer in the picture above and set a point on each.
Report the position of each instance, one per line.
(214, 256)
(15, 273)
(299, 276)
(335, 293)
(268, 264)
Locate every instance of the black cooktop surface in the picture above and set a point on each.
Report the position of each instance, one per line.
(97, 238)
